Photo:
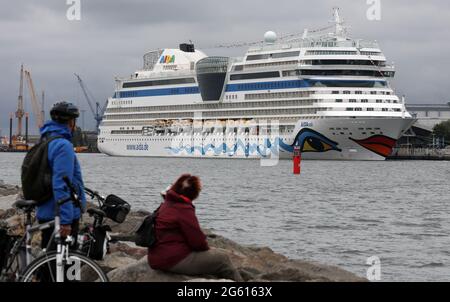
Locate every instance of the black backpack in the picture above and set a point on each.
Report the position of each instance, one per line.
(36, 173)
(145, 235)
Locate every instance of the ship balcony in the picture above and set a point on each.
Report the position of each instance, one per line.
(348, 67)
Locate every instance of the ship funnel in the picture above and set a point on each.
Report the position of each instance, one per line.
(187, 47)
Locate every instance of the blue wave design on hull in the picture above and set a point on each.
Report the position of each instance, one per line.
(307, 139)
(247, 148)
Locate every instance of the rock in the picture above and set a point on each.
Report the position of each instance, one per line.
(129, 249)
(127, 262)
(262, 264)
(115, 260)
(209, 280)
(7, 201)
(8, 189)
(15, 225)
(140, 271)
(5, 214)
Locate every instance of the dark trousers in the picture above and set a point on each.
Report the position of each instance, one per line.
(47, 235)
(47, 274)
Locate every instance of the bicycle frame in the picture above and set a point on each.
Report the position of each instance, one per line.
(21, 258)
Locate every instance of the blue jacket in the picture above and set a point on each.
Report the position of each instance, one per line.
(63, 162)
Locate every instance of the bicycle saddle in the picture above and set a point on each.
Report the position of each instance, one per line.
(94, 211)
(25, 205)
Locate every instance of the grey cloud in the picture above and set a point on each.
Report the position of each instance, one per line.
(113, 35)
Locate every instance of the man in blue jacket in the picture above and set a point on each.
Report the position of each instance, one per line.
(62, 162)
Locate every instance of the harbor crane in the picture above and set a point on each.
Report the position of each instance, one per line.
(37, 110)
(99, 110)
(20, 110)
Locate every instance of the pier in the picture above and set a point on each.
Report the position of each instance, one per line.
(406, 153)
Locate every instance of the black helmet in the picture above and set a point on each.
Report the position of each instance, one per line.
(63, 112)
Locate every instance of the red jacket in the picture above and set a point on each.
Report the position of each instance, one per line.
(178, 232)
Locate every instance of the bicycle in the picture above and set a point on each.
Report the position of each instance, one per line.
(94, 239)
(61, 265)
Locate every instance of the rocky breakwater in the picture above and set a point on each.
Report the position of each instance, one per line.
(127, 262)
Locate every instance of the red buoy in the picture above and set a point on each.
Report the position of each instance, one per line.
(297, 158)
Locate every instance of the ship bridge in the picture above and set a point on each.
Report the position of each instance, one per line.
(211, 75)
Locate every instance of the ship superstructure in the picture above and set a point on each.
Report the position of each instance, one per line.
(323, 91)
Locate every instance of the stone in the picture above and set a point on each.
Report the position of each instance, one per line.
(140, 271)
(127, 262)
(129, 249)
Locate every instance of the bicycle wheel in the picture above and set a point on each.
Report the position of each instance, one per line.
(77, 268)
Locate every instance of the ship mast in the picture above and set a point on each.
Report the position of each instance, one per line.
(339, 28)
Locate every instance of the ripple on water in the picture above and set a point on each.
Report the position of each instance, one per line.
(334, 212)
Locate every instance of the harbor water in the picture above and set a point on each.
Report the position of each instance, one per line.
(335, 212)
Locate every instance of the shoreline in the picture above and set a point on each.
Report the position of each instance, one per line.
(127, 262)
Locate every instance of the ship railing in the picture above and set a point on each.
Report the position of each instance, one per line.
(317, 44)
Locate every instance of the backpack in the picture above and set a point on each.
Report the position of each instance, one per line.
(145, 235)
(36, 173)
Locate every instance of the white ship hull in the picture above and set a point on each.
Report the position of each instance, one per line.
(252, 146)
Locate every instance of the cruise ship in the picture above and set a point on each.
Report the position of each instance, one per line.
(321, 92)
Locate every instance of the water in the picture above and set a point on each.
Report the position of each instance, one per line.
(336, 212)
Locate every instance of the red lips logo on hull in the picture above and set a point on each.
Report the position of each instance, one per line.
(379, 144)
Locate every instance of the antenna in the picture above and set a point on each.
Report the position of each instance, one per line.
(338, 24)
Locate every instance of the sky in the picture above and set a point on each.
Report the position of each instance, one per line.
(111, 37)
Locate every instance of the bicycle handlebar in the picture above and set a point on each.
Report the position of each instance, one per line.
(93, 193)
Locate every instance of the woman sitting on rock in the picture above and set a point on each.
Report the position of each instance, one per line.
(181, 245)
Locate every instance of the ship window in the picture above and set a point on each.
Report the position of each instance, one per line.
(345, 83)
(258, 75)
(348, 62)
(288, 73)
(257, 57)
(330, 52)
(284, 54)
(346, 72)
(158, 82)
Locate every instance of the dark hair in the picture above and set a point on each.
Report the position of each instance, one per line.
(188, 185)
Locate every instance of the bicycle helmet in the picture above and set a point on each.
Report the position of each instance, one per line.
(63, 112)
